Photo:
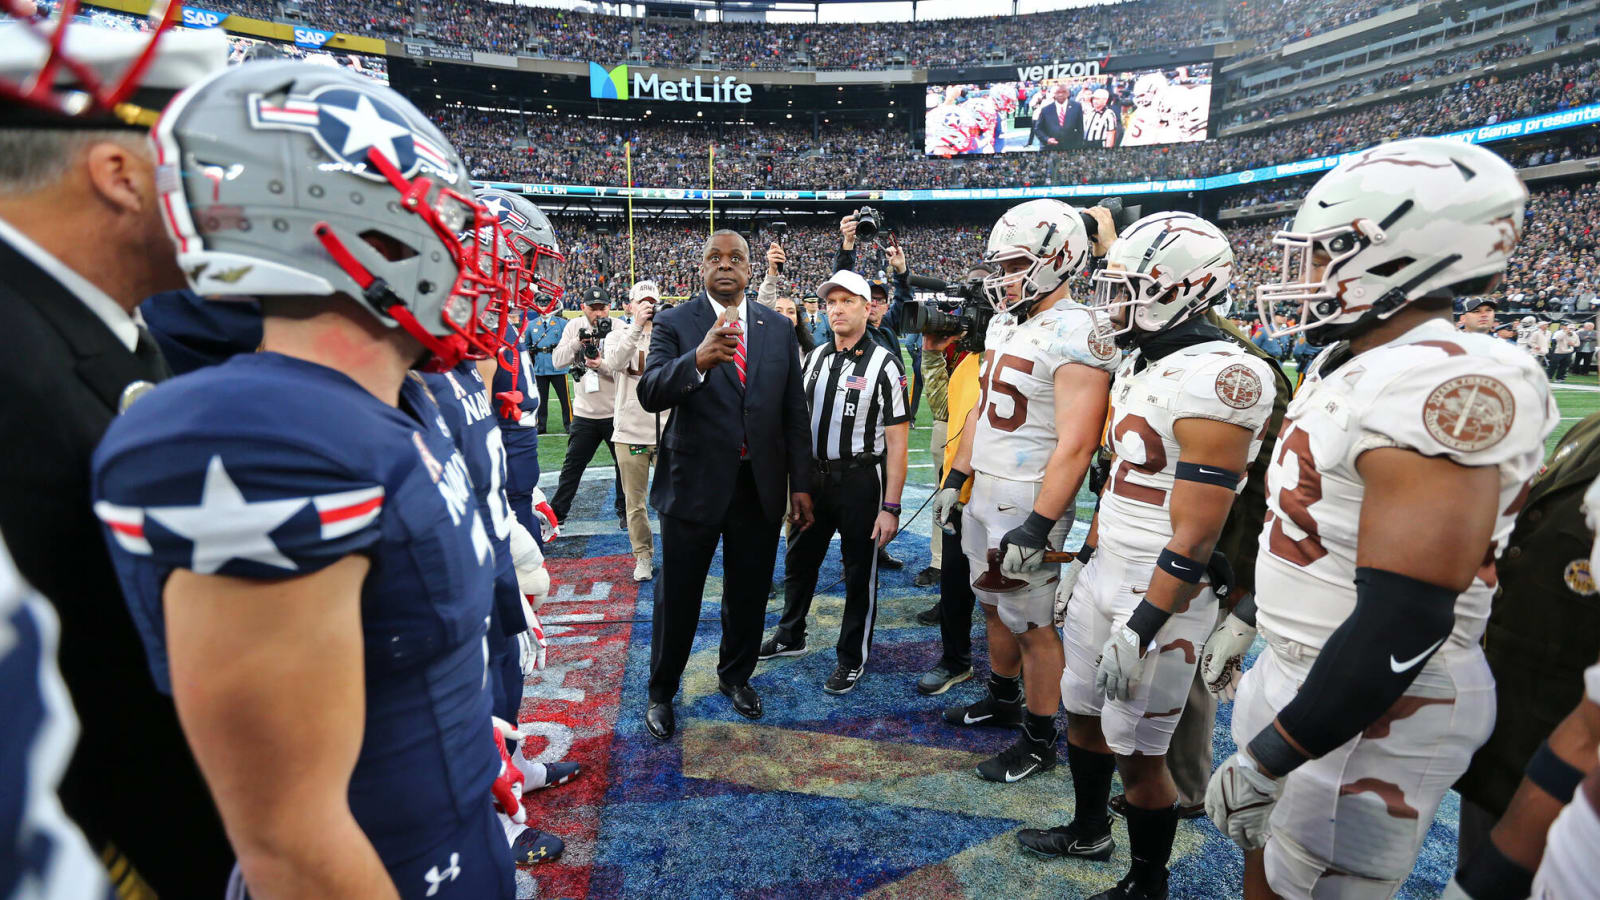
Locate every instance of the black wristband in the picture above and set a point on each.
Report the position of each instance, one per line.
(1188, 471)
(1274, 754)
(1037, 527)
(954, 478)
(1086, 553)
(1181, 567)
(1245, 609)
(1554, 775)
(1146, 620)
(1491, 875)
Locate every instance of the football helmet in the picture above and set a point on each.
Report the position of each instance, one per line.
(1149, 88)
(289, 178)
(1164, 269)
(533, 247)
(1393, 224)
(1050, 237)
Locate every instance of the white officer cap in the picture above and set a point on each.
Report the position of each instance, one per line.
(182, 58)
(850, 281)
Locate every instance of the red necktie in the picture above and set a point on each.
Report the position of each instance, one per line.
(738, 357)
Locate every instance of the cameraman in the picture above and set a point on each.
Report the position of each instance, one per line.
(594, 397)
(634, 432)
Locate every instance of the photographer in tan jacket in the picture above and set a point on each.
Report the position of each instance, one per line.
(634, 430)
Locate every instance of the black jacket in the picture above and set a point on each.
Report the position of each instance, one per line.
(712, 418)
(64, 374)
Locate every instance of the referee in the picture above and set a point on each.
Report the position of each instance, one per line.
(859, 426)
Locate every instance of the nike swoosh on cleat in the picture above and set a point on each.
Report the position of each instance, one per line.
(967, 719)
(1397, 667)
(1014, 777)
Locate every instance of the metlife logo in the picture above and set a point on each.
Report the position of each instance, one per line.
(616, 84)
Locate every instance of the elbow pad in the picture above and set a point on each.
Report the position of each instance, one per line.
(1370, 660)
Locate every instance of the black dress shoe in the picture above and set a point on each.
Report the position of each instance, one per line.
(746, 702)
(659, 719)
(885, 561)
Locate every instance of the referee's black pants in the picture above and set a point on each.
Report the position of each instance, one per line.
(955, 605)
(844, 500)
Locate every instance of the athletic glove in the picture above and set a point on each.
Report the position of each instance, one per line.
(1240, 798)
(506, 789)
(1222, 661)
(947, 501)
(1069, 577)
(1022, 548)
(549, 525)
(1123, 664)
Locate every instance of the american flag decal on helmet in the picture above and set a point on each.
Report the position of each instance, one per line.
(348, 122)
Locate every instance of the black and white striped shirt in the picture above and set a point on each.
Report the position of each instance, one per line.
(853, 394)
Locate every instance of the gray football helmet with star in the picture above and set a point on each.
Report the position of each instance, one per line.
(287, 178)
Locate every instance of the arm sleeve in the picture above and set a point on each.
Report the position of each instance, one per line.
(902, 296)
(844, 260)
(767, 294)
(567, 346)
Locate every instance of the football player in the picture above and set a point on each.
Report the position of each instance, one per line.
(1147, 124)
(295, 535)
(949, 128)
(1026, 444)
(985, 116)
(1552, 824)
(1397, 476)
(533, 239)
(1188, 412)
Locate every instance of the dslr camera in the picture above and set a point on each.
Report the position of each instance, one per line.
(964, 310)
(866, 223)
(589, 340)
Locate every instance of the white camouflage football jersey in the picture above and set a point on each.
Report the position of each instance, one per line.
(1469, 398)
(1216, 380)
(1017, 407)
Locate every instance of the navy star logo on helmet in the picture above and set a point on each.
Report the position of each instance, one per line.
(347, 123)
(508, 217)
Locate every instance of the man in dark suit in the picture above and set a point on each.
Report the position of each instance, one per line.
(1059, 124)
(81, 243)
(738, 440)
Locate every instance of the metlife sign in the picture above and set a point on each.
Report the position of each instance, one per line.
(616, 84)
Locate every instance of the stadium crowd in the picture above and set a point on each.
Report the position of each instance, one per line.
(548, 148)
(1133, 26)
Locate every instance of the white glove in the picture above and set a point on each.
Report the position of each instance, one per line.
(1069, 577)
(1123, 665)
(1240, 798)
(531, 644)
(1222, 661)
(946, 506)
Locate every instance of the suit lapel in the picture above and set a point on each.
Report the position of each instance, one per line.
(101, 361)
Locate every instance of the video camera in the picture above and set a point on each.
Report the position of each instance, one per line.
(589, 340)
(965, 311)
(1121, 216)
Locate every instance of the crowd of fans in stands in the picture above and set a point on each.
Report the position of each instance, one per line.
(550, 148)
(1131, 26)
(1553, 273)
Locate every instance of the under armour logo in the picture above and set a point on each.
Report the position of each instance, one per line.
(436, 877)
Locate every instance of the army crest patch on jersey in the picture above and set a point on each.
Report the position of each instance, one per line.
(1469, 413)
(1238, 386)
(1101, 343)
(1579, 579)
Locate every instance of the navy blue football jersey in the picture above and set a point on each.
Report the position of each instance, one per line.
(42, 854)
(521, 430)
(193, 332)
(464, 401)
(269, 467)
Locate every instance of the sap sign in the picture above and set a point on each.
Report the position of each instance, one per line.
(194, 17)
(614, 84)
(311, 38)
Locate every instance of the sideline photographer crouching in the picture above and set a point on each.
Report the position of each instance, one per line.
(594, 397)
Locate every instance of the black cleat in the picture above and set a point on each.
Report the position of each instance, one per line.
(987, 712)
(927, 577)
(533, 846)
(929, 616)
(1130, 888)
(1065, 840)
(1024, 758)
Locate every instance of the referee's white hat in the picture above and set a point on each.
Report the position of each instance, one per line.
(850, 281)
